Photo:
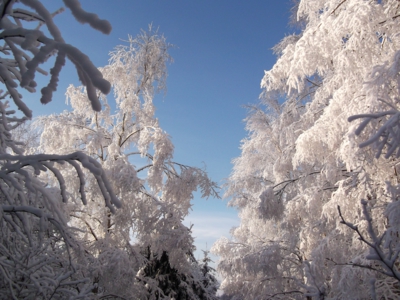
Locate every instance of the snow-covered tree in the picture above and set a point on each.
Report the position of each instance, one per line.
(210, 282)
(61, 236)
(142, 249)
(339, 78)
(39, 252)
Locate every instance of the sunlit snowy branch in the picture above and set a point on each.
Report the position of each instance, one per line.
(388, 134)
(387, 258)
(35, 42)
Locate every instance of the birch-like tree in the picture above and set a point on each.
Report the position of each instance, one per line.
(332, 143)
(142, 249)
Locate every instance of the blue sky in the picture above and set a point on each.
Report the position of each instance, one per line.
(221, 51)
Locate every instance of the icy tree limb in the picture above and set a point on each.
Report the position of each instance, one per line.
(84, 17)
(387, 258)
(40, 162)
(387, 135)
(42, 47)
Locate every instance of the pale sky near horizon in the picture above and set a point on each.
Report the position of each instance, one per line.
(221, 51)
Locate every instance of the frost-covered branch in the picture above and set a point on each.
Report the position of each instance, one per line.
(19, 66)
(16, 163)
(388, 134)
(11, 209)
(387, 257)
(353, 264)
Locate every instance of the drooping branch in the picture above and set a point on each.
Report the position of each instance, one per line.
(34, 41)
(16, 163)
(387, 259)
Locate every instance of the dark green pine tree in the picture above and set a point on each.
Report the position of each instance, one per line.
(210, 282)
(199, 284)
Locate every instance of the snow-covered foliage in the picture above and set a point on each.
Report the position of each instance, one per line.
(142, 249)
(302, 161)
(39, 254)
(61, 234)
(25, 49)
(210, 282)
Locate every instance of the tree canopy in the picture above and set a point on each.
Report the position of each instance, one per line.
(78, 219)
(92, 201)
(323, 138)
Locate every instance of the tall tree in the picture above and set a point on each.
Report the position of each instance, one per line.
(142, 249)
(302, 160)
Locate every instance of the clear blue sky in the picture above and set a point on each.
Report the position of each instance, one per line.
(222, 49)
